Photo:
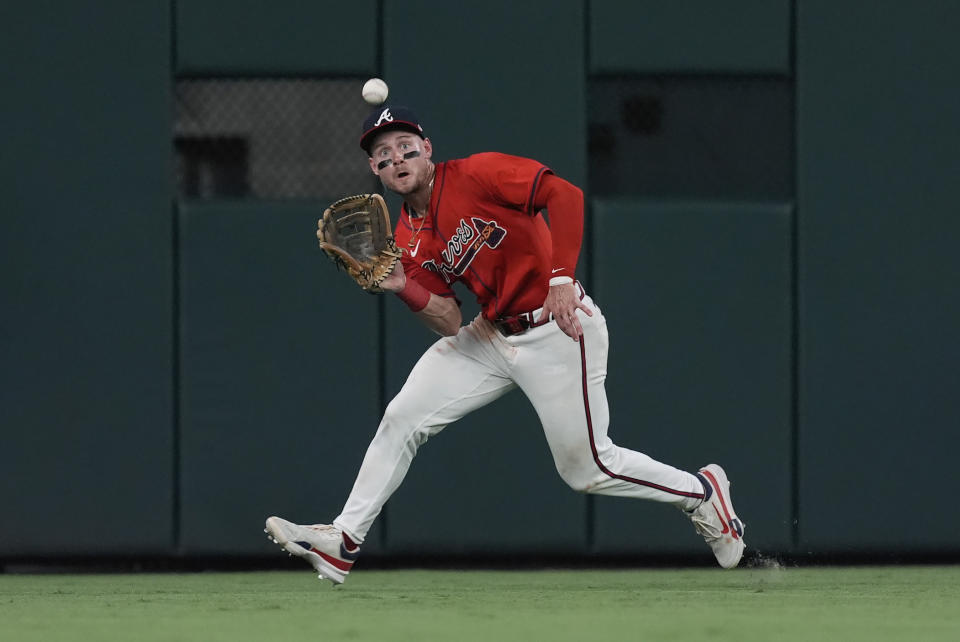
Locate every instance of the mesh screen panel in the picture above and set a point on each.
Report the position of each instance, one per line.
(270, 139)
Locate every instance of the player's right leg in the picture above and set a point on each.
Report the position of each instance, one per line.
(454, 377)
(322, 545)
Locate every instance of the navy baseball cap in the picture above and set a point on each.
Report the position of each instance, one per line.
(387, 117)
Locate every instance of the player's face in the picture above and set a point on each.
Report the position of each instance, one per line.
(401, 160)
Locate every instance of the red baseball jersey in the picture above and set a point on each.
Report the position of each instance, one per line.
(481, 229)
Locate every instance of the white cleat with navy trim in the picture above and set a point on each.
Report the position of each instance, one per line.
(715, 518)
(321, 545)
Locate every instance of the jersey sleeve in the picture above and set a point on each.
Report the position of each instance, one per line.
(513, 181)
(564, 201)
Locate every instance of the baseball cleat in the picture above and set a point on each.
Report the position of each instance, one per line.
(715, 519)
(321, 545)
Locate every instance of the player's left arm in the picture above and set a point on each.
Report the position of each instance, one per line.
(564, 203)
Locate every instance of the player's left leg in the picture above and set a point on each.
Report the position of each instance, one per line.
(564, 381)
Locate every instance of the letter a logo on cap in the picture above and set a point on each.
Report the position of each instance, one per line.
(384, 116)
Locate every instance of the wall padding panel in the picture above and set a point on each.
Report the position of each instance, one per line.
(878, 137)
(86, 401)
(276, 37)
(279, 372)
(487, 483)
(654, 36)
(697, 297)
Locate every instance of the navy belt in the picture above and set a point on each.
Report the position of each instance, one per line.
(509, 326)
(520, 323)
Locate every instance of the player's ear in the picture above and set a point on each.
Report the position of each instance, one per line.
(427, 148)
(373, 167)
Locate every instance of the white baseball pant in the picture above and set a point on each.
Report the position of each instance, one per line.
(563, 379)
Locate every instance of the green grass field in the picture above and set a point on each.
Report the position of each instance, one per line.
(913, 603)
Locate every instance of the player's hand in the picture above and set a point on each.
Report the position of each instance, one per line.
(562, 302)
(396, 281)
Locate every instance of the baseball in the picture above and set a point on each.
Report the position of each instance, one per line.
(375, 91)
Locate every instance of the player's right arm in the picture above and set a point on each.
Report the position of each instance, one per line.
(440, 314)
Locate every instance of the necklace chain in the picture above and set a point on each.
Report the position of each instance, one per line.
(423, 221)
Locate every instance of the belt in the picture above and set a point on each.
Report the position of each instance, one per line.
(520, 323)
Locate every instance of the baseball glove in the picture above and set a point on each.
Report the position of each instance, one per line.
(355, 233)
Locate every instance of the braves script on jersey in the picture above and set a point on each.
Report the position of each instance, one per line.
(482, 229)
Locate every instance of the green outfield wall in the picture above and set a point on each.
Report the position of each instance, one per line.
(878, 308)
(176, 369)
(87, 401)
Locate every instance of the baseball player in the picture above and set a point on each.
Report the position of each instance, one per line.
(478, 220)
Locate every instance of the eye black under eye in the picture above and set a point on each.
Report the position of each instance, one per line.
(384, 163)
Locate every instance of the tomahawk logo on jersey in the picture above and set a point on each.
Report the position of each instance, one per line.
(470, 237)
(463, 247)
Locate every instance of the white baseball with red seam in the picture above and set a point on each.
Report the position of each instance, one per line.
(375, 91)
